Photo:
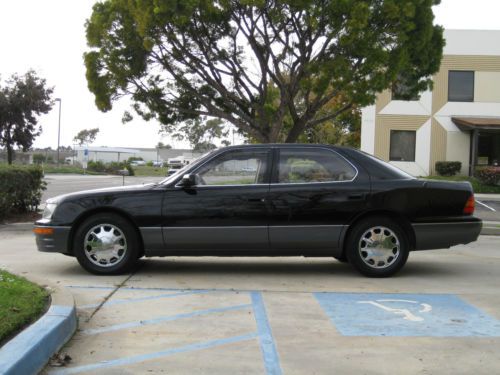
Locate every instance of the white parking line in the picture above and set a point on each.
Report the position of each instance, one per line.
(485, 205)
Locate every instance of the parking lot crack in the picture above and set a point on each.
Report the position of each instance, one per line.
(106, 298)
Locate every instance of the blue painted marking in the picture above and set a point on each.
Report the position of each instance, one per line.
(162, 319)
(146, 357)
(406, 315)
(267, 347)
(140, 299)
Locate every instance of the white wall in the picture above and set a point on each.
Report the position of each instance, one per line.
(368, 129)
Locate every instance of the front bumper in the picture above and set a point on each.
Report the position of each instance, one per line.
(442, 235)
(52, 239)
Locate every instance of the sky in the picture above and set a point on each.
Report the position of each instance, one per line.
(49, 37)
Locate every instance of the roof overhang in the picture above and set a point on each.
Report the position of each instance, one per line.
(479, 123)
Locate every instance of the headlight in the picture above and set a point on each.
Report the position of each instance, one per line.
(49, 210)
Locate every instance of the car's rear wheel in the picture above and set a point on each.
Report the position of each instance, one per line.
(377, 247)
(107, 244)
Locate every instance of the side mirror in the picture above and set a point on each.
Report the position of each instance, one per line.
(188, 180)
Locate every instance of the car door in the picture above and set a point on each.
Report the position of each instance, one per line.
(314, 193)
(226, 211)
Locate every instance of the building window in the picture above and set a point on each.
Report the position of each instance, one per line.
(460, 86)
(402, 145)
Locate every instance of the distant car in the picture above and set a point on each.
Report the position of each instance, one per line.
(157, 163)
(309, 200)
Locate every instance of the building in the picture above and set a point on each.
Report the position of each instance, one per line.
(117, 154)
(459, 120)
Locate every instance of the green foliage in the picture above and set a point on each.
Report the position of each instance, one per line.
(201, 133)
(134, 158)
(448, 168)
(274, 69)
(489, 175)
(110, 168)
(86, 136)
(478, 186)
(20, 189)
(22, 100)
(39, 158)
(21, 303)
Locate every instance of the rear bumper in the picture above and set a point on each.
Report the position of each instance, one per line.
(51, 239)
(444, 235)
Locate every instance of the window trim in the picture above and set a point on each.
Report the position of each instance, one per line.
(414, 148)
(473, 86)
(250, 149)
(274, 178)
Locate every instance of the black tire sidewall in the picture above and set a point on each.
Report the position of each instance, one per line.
(354, 256)
(133, 244)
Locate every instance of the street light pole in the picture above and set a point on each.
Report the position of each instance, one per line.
(58, 131)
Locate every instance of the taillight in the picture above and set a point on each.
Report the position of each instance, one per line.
(469, 206)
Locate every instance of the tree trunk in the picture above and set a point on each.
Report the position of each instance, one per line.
(10, 153)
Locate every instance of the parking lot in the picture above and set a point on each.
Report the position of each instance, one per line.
(439, 315)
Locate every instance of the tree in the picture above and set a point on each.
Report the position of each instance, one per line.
(161, 145)
(86, 136)
(22, 100)
(201, 133)
(257, 63)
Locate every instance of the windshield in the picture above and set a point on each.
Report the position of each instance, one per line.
(185, 168)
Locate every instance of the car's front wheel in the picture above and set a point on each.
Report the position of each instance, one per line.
(107, 244)
(377, 247)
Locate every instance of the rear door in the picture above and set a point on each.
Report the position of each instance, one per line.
(313, 195)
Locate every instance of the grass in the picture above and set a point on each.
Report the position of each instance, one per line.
(144, 170)
(478, 186)
(21, 303)
(66, 169)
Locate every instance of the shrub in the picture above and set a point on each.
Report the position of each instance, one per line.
(110, 168)
(488, 175)
(134, 158)
(149, 164)
(448, 168)
(38, 158)
(20, 189)
(96, 166)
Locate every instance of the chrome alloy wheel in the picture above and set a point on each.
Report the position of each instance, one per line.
(105, 245)
(379, 247)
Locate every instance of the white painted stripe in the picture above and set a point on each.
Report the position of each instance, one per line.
(485, 205)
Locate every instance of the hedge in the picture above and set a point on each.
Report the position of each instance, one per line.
(488, 175)
(20, 189)
(110, 168)
(448, 168)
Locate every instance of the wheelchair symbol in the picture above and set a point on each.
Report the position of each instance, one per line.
(407, 314)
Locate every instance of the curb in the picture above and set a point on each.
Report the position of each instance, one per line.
(29, 351)
(488, 197)
(491, 228)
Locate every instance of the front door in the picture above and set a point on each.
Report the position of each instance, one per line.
(226, 211)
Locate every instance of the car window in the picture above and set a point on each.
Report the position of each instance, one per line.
(239, 167)
(313, 165)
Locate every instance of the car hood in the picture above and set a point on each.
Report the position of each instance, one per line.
(115, 190)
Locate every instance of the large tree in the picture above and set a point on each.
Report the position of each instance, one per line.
(258, 64)
(22, 100)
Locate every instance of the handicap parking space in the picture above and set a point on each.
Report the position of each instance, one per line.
(155, 330)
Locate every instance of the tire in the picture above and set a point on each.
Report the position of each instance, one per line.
(122, 245)
(379, 259)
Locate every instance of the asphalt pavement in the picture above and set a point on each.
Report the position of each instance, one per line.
(206, 315)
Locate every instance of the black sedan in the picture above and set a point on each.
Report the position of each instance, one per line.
(265, 200)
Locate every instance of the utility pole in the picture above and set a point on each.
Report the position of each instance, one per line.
(59, 131)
